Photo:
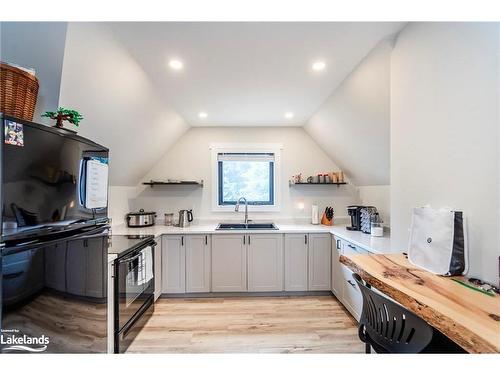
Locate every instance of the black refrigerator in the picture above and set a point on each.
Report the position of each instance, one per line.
(54, 240)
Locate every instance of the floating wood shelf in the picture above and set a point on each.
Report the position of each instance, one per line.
(290, 183)
(180, 183)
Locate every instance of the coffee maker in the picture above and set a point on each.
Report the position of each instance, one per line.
(355, 214)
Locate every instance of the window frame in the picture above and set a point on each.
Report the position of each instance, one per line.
(248, 148)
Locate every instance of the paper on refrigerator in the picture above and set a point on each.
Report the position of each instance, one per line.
(96, 194)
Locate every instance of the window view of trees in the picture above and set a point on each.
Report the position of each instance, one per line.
(249, 179)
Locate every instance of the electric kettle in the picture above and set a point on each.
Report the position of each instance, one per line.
(185, 217)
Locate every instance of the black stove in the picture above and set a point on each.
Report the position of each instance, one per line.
(134, 285)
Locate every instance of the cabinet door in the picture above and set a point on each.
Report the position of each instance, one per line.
(229, 263)
(352, 298)
(75, 267)
(351, 295)
(296, 258)
(55, 267)
(173, 262)
(157, 270)
(320, 261)
(198, 263)
(95, 270)
(337, 276)
(265, 262)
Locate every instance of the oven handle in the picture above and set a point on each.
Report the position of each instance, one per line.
(135, 254)
(130, 259)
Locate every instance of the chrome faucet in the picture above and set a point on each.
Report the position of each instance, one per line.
(237, 208)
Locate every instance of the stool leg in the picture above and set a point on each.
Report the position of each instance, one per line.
(368, 348)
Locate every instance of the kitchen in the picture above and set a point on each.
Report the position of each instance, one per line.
(278, 178)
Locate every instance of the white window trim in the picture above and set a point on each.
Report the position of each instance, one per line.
(274, 148)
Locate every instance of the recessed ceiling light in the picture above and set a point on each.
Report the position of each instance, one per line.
(176, 64)
(319, 66)
(202, 115)
(289, 115)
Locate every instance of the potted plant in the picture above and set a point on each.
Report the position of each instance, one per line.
(63, 114)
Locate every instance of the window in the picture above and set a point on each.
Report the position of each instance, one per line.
(250, 170)
(249, 175)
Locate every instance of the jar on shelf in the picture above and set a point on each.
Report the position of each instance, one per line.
(169, 219)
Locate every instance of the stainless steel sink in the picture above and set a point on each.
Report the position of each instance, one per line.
(249, 226)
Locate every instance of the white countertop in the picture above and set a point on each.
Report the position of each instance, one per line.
(365, 241)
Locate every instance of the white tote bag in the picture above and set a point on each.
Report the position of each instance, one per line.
(438, 241)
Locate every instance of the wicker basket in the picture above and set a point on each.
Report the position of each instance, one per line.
(18, 92)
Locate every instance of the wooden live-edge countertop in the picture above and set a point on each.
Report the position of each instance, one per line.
(468, 317)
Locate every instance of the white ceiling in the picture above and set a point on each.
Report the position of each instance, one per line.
(244, 74)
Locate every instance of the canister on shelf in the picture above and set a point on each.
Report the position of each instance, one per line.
(340, 176)
(169, 219)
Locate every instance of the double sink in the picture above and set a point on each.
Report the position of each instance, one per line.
(248, 226)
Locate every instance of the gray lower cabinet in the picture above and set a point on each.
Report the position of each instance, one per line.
(55, 267)
(320, 261)
(198, 263)
(75, 267)
(296, 260)
(96, 268)
(173, 264)
(86, 261)
(265, 262)
(337, 277)
(157, 271)
(229, 263)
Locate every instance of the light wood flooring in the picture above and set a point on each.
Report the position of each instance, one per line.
(318, 324)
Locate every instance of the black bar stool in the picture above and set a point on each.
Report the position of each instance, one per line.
(388, 327)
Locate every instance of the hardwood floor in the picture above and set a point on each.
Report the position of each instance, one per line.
(249, 325)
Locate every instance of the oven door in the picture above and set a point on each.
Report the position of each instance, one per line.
(134, 294)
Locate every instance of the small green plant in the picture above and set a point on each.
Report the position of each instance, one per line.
(63, 114)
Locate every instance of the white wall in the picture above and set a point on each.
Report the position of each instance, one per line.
(444, 131)
(38, 45)
(189, 158)
(121, 109)
(119, 202)
(378, 196)
(353, 125)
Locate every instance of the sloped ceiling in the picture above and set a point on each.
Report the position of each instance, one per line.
(241, 74)
(353, 125)
(120, 104)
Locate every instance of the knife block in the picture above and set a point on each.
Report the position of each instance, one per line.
(325, 221)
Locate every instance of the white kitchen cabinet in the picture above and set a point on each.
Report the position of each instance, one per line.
(352, 298)
(198, 264)
(337, 276)
(229, 263)
(158, 269)
(351, 295)
(319, 261)
(265, 262)
(173, 261)
(296, 259)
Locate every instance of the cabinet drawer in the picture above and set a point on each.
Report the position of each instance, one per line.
(350, 248)
(352, 297)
